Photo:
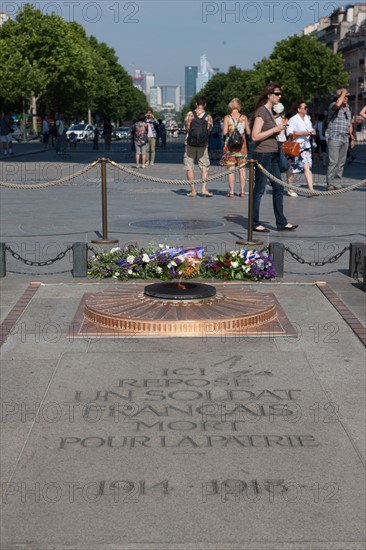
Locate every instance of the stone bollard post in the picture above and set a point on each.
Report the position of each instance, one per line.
(356, 254)
(2, 260)
(80, 259)
(277, 251)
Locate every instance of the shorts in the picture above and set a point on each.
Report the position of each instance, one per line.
(140, 149)
(193, 153)
(6, 139)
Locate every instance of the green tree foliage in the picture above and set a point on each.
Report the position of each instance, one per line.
(66, 71)
(304, 67)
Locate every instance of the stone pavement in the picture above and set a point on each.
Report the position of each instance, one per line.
(207, 443)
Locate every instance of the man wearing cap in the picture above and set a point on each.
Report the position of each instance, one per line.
(338, 133)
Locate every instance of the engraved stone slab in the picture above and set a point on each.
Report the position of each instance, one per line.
(165, 450)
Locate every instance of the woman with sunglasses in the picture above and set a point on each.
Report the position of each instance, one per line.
(264, 134)
(301, 130)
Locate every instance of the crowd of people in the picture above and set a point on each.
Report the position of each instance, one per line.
(329, 138)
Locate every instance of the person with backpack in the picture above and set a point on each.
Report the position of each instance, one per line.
(139, 132)
(236, 127)
(198, 125)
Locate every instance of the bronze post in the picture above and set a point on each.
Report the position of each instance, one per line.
(249, 240)
(104, 240)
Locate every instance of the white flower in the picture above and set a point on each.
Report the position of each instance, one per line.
(234, 253)
(116, 275)
(130, 259)
(180, 272)
(159, 270)
(161, 245)
(172, 264)
(115, 249)
(234, 264)
(130, 271)
(181, 258)
(145, 258)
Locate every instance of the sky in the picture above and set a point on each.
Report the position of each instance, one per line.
(163, 36)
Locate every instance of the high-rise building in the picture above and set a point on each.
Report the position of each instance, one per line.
(155, 97)
(190, 76)
(137, 79)
(148, 82)
(205, 73)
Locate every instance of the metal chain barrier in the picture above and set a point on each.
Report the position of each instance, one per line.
(61, 181)
(303, 191)
(331, 260)
(39, 264)
(133, 172)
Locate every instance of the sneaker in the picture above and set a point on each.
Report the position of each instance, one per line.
(147, 163)
(151, 164)
(11, 153)
(292, 193)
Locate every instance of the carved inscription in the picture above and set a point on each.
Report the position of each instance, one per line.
(192, 408)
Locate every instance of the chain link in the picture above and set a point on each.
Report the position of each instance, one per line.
(39, 264)
(331, 260)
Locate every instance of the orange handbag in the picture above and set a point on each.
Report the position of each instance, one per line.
(291, 148)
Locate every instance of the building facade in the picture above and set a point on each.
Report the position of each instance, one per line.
(344, 31)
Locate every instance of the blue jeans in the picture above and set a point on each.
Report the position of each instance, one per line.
(269, 161)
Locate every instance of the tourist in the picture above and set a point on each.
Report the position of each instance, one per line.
(139, 132)
(320, 139)
(6, 129)
(198, 125)
(107, 134)
(338, 133)
(300, 129)
(278, 112)
(264, 134)
(215, 138)
(45, 132)
(233, 155)
(152, 126)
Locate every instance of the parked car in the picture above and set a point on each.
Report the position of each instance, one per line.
(124, 132)
(83, 132)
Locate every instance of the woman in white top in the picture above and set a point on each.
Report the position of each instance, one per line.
(300, 129)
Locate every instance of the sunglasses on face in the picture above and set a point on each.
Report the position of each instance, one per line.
(278, 94)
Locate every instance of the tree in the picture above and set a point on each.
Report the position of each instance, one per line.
(304, 67)
(62, 75)
(45, 56)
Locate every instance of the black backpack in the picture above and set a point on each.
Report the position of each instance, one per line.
(235, 141)
(198, 131)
